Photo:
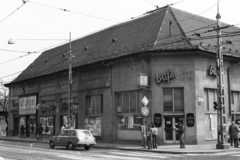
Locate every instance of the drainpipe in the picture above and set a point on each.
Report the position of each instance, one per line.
(230, 88)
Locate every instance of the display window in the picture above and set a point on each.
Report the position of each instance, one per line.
(66, 121)
(130, 122)
(47, 124)
(94, 124)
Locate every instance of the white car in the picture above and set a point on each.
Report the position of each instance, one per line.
(72, 138)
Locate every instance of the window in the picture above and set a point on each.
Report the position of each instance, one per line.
(173, 99)
(130, 122)
(94, 105)
(235, 101)
(128, 102)
(210, 96)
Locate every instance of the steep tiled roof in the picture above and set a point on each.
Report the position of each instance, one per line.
(148, 33)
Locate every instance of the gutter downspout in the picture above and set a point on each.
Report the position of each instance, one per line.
(229, 89)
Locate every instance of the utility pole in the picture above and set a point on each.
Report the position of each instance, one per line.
(220, 86)
(70, 123)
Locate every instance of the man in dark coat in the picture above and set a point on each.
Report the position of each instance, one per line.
(22, 129)
(231, 133)
(235, 131)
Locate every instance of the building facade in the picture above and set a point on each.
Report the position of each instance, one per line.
(151, 62)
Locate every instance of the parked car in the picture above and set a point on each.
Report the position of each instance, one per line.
(72, 138)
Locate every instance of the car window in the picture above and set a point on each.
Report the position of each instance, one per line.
(61, 133)
(71, 133)
(84, 133)
(66, 133)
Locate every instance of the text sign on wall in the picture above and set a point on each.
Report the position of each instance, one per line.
(212, 71)
(27, 105)
(164, 77)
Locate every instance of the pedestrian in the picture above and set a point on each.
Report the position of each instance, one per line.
(230, 128)
(22, 129)
(63, 127)
(180, 130)
(143, 133)
(235, 131)
(39, 132)
(149, 134)
(155, 133)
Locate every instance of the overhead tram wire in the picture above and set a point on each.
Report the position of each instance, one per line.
(66, 10)
(12, 13)
(176, 2)
(201, 12)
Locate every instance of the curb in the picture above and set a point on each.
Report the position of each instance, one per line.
(128, 149)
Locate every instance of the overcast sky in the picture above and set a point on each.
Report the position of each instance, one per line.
(40, 24)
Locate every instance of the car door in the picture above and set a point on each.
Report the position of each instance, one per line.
(64, 139)
(58, 139)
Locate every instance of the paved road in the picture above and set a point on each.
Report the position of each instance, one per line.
(27, 151)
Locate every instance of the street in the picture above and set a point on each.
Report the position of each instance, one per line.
(39, 151)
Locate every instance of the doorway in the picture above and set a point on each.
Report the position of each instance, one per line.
(16, 126)
(170, 135)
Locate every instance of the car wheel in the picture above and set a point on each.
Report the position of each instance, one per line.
(51, 144)
(87, 147)
(70, 146)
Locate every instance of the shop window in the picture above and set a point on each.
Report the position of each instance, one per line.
(173, 99)
(129, 122)
(128, 102)
(47, 124)
(94, 124)
(94, 105)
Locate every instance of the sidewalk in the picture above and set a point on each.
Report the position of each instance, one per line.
(173, 149)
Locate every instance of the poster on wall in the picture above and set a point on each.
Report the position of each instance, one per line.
(27, 105)
(47, 124)
(94, 125)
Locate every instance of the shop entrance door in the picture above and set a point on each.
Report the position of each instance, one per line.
(16, 126)
(170, 135)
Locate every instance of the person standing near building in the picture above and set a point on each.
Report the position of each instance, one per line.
(22, 129)
(149, 134)
(180, 130)
(235, 131)
(143, 133)
(231, 133)
(155, 133)
(39, 132)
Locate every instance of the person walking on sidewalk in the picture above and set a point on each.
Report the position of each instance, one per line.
(180, 130)
(231, 139)
(149, 134)
(39, 132)
(22, 130)
(155, 133)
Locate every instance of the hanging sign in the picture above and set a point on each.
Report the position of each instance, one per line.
(190, 119)
(158, 119)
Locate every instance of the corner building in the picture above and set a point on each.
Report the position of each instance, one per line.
(158, 57)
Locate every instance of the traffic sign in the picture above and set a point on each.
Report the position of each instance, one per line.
(145, 111)
(145, 101)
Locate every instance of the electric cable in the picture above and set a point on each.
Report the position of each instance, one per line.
(12, 13)
(66, 10)
(176, 2)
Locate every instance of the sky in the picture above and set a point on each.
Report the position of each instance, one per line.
(37, 25)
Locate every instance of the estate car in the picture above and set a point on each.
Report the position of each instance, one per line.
(72, 138)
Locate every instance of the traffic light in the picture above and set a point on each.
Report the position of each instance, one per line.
(215, 106)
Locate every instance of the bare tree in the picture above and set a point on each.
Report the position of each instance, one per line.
(3, 97)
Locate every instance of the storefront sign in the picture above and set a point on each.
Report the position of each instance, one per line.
(212, 71)
(165, 76)
(27, 105)
(158, 119)
(190, 119)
